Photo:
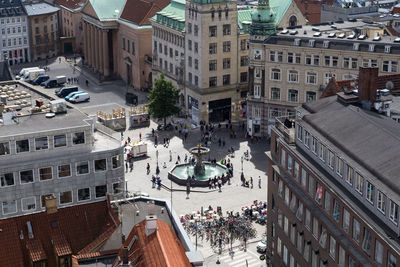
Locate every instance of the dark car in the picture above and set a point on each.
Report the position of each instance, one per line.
(40, 79)
(63, 92)
(50, 83)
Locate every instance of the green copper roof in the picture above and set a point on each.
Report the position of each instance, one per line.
(172, 15)
(107, 9)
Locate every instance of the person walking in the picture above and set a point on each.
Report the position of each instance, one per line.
(153, 181)
(259, 182)
(148, 168)
(179, 159)
(140, 136)
(251, 182)
(126, 166)
(170, 155)
(131, 166)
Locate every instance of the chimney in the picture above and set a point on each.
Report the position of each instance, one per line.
(151, 224)
(30, 230)
(125, 255)
(50, 204)
(367, 78)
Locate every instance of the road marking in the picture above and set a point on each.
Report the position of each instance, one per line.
(242, 262)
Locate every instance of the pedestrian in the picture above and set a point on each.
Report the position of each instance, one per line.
(165, 165)
(131, 166)
(209, 183)
(179, 159)
(87, 83)
(251, 182)
(219, 185)
(148, 168)
(170, 155)
(129, 140)
(159, 183)
(140, 136)
(153, 181)
(186, 157)
(223, 142)
(152, 132)
(126, 166)
(259, 182)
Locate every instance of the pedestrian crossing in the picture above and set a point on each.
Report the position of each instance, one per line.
(241, 259)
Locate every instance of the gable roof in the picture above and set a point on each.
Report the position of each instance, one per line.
(161, 248)
(107, 9)
(140, 11)
(65, 232)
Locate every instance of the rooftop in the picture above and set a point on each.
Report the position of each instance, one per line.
(106, 9)
(40, 9)
(71, 4)
(9, 8)
(140, 11)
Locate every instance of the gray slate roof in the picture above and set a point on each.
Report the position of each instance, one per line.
(40, 9)
(369, 138)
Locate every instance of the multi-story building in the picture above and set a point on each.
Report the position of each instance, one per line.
(202, 47)
(293, 66)
(71, 25)
(70, 156)
(333, 197)
(14, 44)
(43, 30)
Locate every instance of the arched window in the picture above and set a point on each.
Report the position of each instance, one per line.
(293, 21)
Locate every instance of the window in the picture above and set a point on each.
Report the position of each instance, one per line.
(359, 183)
(389, 66)
(312, 60)
(26, 176)
(325, 44)
(285, 255)
(280, 218)
(331, 159)
(64, 170)
(275, 74)
(243, 77)
(370, 63)
(314, 260)
(133, 48)
(299, 213)
(303, 178)
(212, 31)
(294, 58)
(227, 46)
(123, 39)
(41, 143)
(314, 145)
(226, 79)
(279, 247)
(101, 191)
(307, 221)
(196, 30)
(391, 259)
(276, 56)
(327, 202)
(370, 192)
(283, 158)
(296, 171)
(22, 146)
(290, 163)
(280, 188)
(226, 29)
(331, 61)
(196, 64)
(244, 61)
(311, 182)
(339, 167)
(83, 194)
(118, 188)
(7, 179)
(299, 133)
(60, 140)
(346, 220)
(275, 93)
(299, 242)
(28, 203)
(394, 212)
(318, 194)
(286, 225)
(349, 63)
(212, 65)
(45, 173)
(100, 165)
(323, 237)
(287, 195)
(190, 60)
(387, 49)
(352, 263)
(378, 253)
(116, 161)
(128, 46)
(381, 202)
(336, 210)
(4, 148)
(78, 138)
(306, 254)
(212, 48)
(311, 96)
(315, 228)
(307, 139)
(82, 167)
(356, 231)
(293, 95)
(349, 176)
(226, 63)
(189, 28)
(190, 45)
(293, 76)
(332, 247)
(9, 207)
(212, 82)
(342, 257)
(366, 244)
(311, 78)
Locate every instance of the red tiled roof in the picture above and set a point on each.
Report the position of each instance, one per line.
(140, 11)
(70, 229)
(161, 248)
(71, 4)
(396, 10)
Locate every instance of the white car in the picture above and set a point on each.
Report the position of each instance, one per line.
(262, 245)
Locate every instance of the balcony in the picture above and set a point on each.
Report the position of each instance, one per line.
(286, 126)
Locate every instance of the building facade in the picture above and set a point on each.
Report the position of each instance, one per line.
(71, 158)
(297, 64)
(71, 39)
(14, 44)
(331, 200)
(43, 30)
(203, 48)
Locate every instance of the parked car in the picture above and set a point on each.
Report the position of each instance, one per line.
(40, 79)
(21, 74)
(262, 245)
(68, 97)
(63, 92)
(80, 98)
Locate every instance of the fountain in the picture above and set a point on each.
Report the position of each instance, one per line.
(201, 170)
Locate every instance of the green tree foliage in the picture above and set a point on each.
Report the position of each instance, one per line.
(162, 99)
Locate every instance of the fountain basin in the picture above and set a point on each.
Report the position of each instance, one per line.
(179, 175)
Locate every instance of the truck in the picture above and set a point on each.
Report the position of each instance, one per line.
(32, 74)
(22, 72)
(138, 149)
(61, 80)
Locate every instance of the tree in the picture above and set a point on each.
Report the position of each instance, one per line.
(162, 99)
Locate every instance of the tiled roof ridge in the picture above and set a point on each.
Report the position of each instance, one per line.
(96, 254)
(98, 242)
(162, 246)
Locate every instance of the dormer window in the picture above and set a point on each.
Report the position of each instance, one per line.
(387, 49)
(371, 48)
(296, 42)
(356, 46)
(311, 43)
(326, 44)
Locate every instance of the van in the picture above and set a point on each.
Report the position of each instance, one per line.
(63, 92)
(68, 97)
(78, 98)
(40, 79)
(32, 74)
(23, 72)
